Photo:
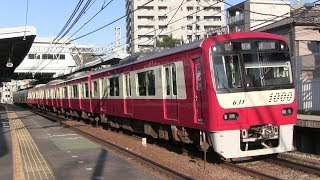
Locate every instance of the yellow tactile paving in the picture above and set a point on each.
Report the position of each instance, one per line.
(28, 161)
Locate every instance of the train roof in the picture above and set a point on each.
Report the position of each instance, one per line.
(146, 56)
(56, 81)
(142, 57)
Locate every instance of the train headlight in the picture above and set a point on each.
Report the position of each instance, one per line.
(230, 116)
(287, 111)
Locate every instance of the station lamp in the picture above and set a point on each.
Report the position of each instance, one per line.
(9, 63)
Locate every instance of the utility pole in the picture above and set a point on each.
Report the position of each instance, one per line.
(118, 37)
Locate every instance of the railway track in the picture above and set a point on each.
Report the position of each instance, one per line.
(176, 175)
(248, 171)
(165, 170)
(295, 165)
(147, 162)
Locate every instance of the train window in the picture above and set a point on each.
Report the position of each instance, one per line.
(103, 91)
(174, 80)
(168, 80)
(58, 93)
(227, 72)
(95, 88)
(75, 91)
(267, 69)
(114, 86)
(85, 90)
(171, 79)
(65, 92)
(146, 83)
(198, 71)
(53, 94)
(128, 84)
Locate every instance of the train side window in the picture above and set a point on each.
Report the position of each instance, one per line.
(171, 79)
(85, 90)
(146, 83)
(174, 80)
(51, 93)
(95, 88)
(114, 86)
(65, 92)
(168, 82)
(103, 92)
(128, 85)
(75, 91)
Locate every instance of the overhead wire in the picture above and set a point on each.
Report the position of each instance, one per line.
(148, 32)
(70, 19)
(104, 26)
(169, 20)
(82, 12)
(59, 36)
(116, 20)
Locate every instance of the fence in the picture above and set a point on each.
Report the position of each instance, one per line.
(307, 73)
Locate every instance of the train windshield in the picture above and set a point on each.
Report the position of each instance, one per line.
(269, 70)
(252, 70)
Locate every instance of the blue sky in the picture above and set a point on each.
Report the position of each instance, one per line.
(49, 16)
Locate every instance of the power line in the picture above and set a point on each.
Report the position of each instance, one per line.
(102, 8)
(70, 18)
(82, 12)
(168, 21)
(111, 22)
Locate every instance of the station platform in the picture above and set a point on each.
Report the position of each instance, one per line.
(310, 121)
(32, 147)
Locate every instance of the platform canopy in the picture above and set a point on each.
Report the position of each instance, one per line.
(15, 44)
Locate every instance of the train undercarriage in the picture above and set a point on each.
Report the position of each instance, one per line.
(257, 140)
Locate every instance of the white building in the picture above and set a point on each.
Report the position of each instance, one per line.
(160, 18)
(253, 14)
(9, 87)
(53, 59)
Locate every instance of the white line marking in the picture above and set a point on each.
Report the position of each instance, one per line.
(61, 135)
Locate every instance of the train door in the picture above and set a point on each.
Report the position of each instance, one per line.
(127, 94)
(196, 66)
(171, 104)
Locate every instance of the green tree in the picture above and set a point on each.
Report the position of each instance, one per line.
(169, 41)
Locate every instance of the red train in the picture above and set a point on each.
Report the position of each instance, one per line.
(234, 92)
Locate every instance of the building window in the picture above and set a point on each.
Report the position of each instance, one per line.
(31, 56)
(162, 8)
(189, 8)
(146, 83)
(162, 18)
(318, 46)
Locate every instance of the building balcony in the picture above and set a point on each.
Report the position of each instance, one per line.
(236, 18)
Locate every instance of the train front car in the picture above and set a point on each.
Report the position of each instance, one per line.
(253, 110)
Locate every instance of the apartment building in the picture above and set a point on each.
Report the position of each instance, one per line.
(253, 14)
(187, 20)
